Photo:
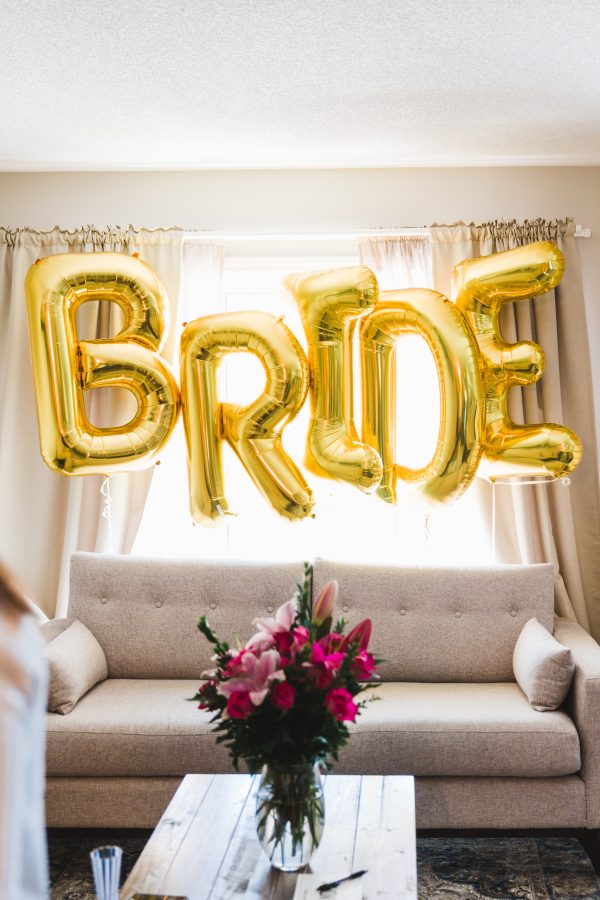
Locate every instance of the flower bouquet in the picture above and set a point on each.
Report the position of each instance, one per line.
(281, 703)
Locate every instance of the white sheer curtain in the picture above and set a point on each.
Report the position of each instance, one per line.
(348, 525)
(398, 262)
(445, 534)
(167, 528)
(46, 516)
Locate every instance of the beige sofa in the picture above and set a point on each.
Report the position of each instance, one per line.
(449, 711)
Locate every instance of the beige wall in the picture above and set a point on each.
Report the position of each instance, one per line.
(319, 200)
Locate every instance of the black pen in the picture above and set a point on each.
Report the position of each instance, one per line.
(330, 885)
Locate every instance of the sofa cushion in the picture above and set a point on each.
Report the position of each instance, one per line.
(134, 727)
(543, 668)
(147, 727)
(443, 624)
(144, 611)
(76, 662)
(459, 729)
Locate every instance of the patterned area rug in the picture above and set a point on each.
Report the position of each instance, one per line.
(449, 868)
(505, 869)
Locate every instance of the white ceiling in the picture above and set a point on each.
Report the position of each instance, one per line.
(168, 84)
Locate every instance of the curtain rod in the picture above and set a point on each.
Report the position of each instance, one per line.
(308, 236)
(580, 232)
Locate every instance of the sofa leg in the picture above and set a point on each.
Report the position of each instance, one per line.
(590, 839)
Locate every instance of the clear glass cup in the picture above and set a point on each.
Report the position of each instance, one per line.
(106, 866)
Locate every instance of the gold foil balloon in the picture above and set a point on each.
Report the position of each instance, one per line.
(63, 367)
(330, 304)
(462, 411)
(254, 431)
(481, 287)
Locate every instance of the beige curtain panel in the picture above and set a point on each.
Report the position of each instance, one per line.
(544, 523)
(45, 516)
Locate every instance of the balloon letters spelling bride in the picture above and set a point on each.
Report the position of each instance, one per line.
(476, 368)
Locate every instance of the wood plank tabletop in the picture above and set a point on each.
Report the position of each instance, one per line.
(205, 846)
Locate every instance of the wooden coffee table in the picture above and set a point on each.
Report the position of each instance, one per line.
(205, 845)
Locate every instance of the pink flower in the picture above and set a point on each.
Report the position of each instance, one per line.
(341, 706)
(301, 635)
(329, 661)
(363, 666)
(332, 642)
(233, 667)
(327, 665)
(288, 643)
(239, 705)
(324, 605)
(360, 634)
(268, 628)
(283, 695)
(283, 642)
(324, 680)
(255, 676)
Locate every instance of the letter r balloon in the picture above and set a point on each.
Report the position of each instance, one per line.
(253, 431)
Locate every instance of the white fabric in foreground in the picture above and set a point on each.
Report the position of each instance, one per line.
(23, 686)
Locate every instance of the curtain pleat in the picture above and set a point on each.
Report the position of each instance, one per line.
(45, 517)
(544, 523)
(398, 262)
(168, 498)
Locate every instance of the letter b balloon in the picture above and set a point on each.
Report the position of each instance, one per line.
(64, 367)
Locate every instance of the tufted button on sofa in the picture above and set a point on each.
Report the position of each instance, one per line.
(449, 710)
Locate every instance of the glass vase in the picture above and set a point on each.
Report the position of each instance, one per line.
(290, 814)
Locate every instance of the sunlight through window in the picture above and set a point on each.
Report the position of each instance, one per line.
(347, 525)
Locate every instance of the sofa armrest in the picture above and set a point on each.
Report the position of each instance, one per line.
(583, 703)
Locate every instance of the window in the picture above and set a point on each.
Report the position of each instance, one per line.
(347, 525)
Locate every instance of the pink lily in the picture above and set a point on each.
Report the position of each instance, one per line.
(327, 665)
(268, 628)
(301, 635)
(233, 667)
(360, 634)
(256, 675)
(324, 605)
(332, 642)
(363, 666)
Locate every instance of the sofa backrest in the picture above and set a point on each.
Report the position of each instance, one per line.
(144, 611)
(443, 624)
(430, 624)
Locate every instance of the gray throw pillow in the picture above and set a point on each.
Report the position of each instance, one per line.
(543, 668)
(76, 662)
